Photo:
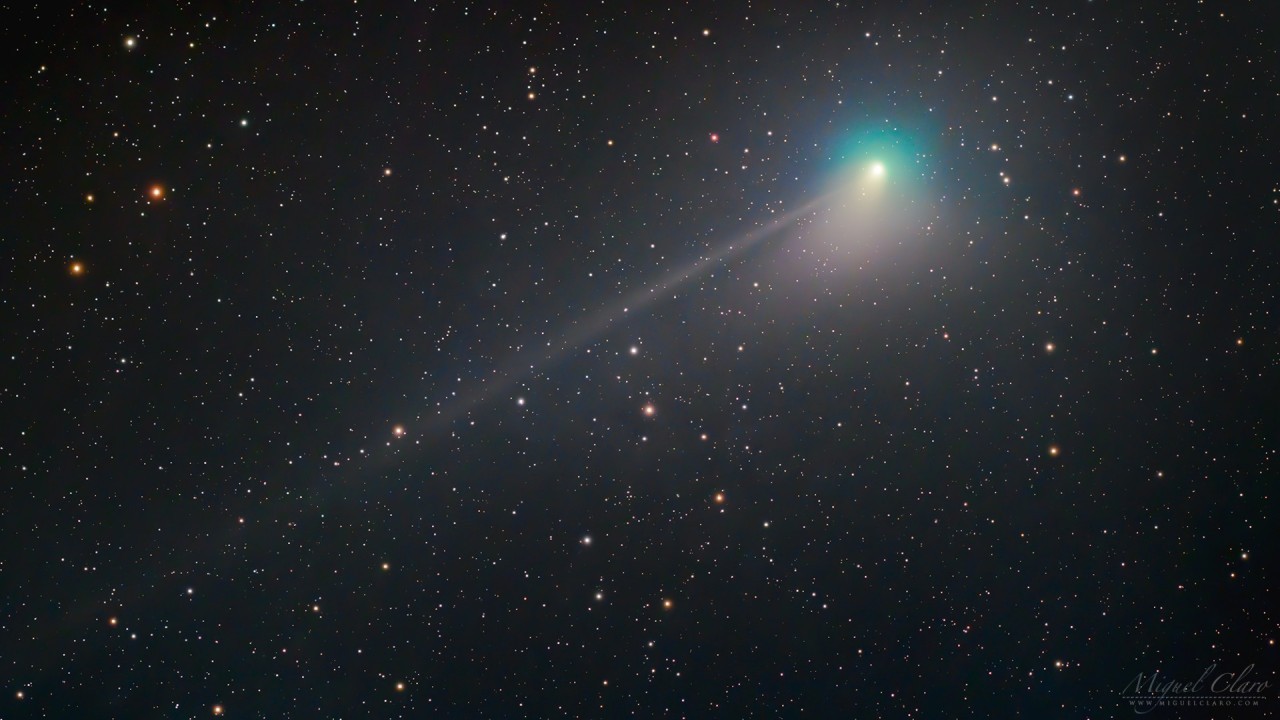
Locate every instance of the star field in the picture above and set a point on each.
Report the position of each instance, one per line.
(728, 360)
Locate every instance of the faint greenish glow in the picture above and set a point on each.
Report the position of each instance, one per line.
(887, 154)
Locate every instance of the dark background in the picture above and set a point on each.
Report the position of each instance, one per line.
(995, 466)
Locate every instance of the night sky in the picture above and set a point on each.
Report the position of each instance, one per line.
(615, 359)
